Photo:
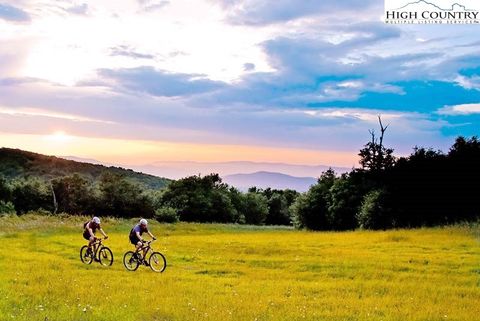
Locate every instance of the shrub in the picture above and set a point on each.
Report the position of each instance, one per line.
(166, 215)
(6, 208)
(375, 213)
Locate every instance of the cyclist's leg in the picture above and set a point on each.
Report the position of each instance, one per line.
(138, 246)
(87, 237)
(91, 245)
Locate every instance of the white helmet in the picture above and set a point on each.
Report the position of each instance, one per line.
(96, 220)
(143, 222)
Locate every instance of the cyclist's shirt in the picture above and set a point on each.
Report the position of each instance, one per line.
(92, 225)
(133, 233)
(138, 228)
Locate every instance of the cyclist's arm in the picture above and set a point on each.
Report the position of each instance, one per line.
(90, 231)
(139, 236)
(151, 235)
(103, 233)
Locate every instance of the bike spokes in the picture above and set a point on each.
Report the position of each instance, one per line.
(157, 262)
(86, 255)
(105, 256)
(131, 261)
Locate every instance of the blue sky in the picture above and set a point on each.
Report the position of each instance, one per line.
(217, 80)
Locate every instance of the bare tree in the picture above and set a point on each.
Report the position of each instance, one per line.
(374, 156)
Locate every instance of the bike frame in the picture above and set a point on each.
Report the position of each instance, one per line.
(148, 248)
(96, 245)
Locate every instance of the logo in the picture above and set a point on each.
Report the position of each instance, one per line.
(432, 12)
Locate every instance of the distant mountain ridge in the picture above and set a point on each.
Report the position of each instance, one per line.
(180, 169)
(423, 2)
(16, 163)
(269, 179)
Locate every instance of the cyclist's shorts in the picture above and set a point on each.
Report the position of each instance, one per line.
(134, 239)
(86, 235)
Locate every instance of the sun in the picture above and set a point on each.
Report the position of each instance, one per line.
(58, 136)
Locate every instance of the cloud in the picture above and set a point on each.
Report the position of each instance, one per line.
(310, 70)
(80, 9)
(158, 82)
(144, 117)
(464, 109)
(11, 13)
(34, 112)
(127, 51)
(152, 5)
(261, 12)
(468, 82)
(249, 67)
(471, 44)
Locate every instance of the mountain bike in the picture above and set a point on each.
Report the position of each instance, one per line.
(156, 260)
(100, 253)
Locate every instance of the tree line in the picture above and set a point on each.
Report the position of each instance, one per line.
(191, 199)
(428, 187)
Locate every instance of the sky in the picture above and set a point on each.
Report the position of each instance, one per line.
(301, 82)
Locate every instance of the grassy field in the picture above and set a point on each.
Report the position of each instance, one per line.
(227, 272)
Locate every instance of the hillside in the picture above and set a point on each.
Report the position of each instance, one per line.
(16, 163)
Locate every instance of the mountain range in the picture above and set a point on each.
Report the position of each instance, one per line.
(16, 163)
(267, 179)
(241, 174)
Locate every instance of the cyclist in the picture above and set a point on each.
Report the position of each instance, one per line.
(90, 228)
(136, 235)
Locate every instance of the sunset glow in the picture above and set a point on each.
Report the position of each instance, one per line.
(140, 81)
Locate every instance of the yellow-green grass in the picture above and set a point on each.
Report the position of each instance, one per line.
(228, 272)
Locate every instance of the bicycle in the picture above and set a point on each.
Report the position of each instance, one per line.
(100, 253)
(156, 261)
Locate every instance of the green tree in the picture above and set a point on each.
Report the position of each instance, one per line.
(238, 202)
(5, 190)
(73, 194)
(122, 198)
(346, 195)
(310, 210)
(375, 212)
(30, 195)
(256, 208)
(200, 199)
(278, 210)
(6, 208)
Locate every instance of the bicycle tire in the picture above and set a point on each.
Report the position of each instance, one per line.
(85, 257)
(130, 262)
(157, 262)
(105, 256)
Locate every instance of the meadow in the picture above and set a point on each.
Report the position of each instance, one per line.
(244, 273)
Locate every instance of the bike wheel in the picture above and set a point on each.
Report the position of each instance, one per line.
(157, 262)
(130, 261)
(105, 256)
(86, 255)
